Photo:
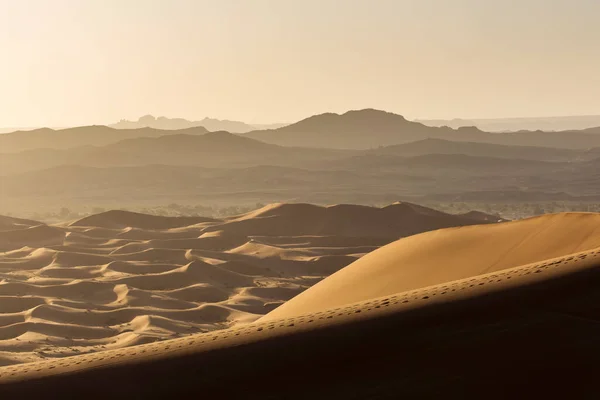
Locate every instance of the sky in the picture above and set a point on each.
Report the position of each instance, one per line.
(82, 62)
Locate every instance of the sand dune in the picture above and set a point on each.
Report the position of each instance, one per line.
(446, 255)
(128, 219)
(530, 330)
(398, 219)
(11, 223)
(417, 317)
(120, 278)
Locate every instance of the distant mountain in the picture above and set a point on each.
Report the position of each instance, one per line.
(29, 128)
(96, 135)
(441, 146)
(212, 149)
(191, 173)
(369, 128)
(451, 165)
(500, 196)
(269, 126)
(520, 124)
(353, 130)
(211, 124)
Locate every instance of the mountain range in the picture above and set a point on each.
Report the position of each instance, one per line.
(520, 124)
(369, 128)
(363, 156)
(211, 124)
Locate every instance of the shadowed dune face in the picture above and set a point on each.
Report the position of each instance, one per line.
(11, 223)
(119, 278)
(40, 235)
(447, 255)
(396, 220)
(128, 219)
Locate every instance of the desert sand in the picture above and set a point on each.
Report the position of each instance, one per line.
(527, 311)
(119, 278)
(447, 255)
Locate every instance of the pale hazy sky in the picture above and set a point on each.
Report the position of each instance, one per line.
(75, 62)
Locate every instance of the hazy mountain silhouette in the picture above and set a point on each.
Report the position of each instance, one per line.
(352, 130)
(211, 124)
(452, 165)
(212, 149)
(369, 128)
(441, 146)
(520, 124)
(224, 167)
(96, 135)
(100, 165)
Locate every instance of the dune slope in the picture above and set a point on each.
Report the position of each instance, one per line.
(446, 255)
(529, 331)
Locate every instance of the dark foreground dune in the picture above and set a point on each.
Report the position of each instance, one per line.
(528, 331)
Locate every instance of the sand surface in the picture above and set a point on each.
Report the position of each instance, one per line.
(446, 255)
(119, 279)
(530, 330)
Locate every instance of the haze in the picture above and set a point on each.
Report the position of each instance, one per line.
(70, 62)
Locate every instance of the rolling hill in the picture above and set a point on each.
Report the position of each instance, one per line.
(96, 135)
(213, 149)
(369, 128)
(442, 146)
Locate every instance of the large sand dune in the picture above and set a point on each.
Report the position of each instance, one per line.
(511, 330)
(118, 278)
(446, 255)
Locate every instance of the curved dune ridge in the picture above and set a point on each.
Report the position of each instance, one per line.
(533, 327)
(11, 223)
(446, 255)
(118, 278)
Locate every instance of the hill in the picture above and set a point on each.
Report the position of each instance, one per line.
(442, 146)
(128, 176)
(214, 149)
(457, 165)
(353, 130)
(520, 124)
(75, 137)
(369, 128)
